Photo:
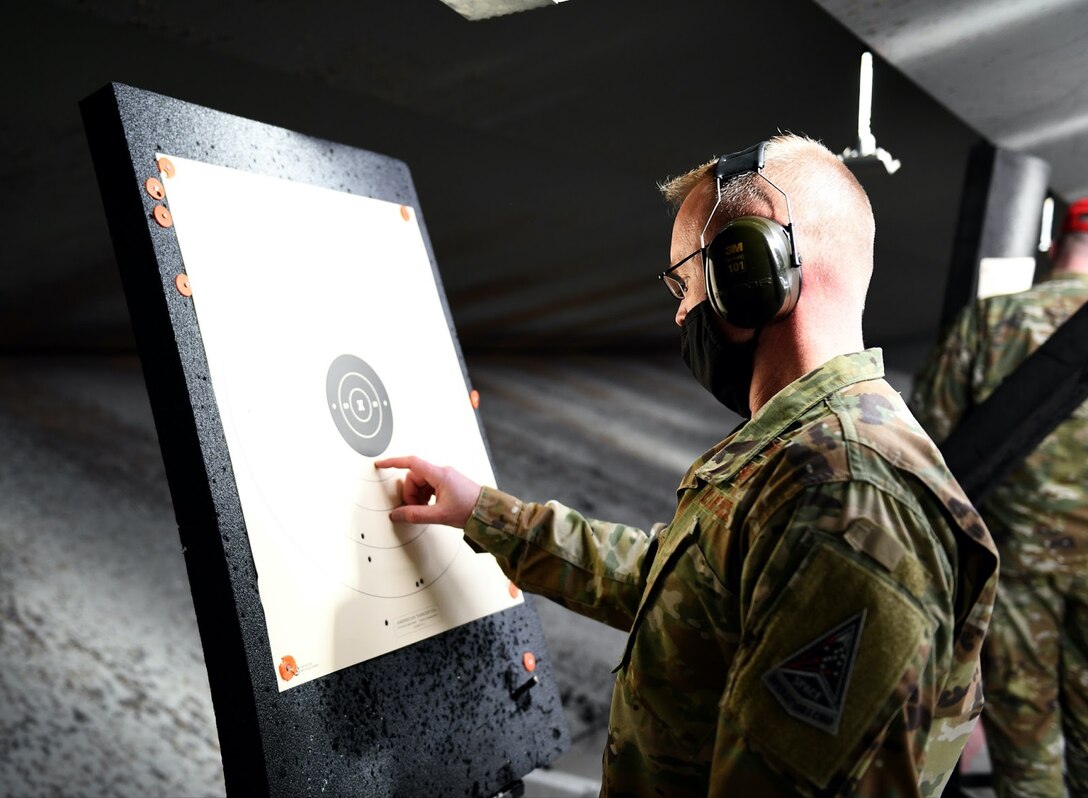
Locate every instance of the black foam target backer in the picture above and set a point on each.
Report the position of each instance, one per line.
(434, 718)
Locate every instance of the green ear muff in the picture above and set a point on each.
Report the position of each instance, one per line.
(752, 267)
(751, 274)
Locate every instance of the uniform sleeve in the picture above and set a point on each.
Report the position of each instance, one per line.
(941, 394)
(594, 568)
(833, 687)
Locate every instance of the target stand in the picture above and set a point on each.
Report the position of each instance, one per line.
(292, 329)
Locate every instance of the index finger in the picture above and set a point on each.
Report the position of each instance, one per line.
(412, 463)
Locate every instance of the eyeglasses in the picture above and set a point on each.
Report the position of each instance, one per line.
(672, 282)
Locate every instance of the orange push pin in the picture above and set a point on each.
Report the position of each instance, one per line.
(163, 217)
(474, 397)
(514, 592)
(528, 659)
(405, 212)
(166, 166)
(182, 283)
(155, 188)
(288, 668)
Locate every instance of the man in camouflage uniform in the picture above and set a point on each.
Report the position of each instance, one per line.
(809, 623)
(1036, 658)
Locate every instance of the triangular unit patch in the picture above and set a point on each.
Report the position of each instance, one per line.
(811, 684)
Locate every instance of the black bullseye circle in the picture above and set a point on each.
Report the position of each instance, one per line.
(359, 405)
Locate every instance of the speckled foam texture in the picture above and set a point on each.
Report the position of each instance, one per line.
(433, 719)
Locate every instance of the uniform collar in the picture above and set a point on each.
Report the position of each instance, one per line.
(1052, 276)
(788, 405)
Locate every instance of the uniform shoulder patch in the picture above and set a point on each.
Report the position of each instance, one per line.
(826, 664)
(811, 683)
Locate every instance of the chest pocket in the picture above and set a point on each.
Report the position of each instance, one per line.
(673, 542)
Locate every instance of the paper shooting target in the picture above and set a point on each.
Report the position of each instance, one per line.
(315, 483)
(309, 371)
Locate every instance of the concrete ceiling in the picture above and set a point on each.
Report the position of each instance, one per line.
(1013, 69)
(535, 140)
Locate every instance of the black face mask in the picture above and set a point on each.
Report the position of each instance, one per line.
(722, 367)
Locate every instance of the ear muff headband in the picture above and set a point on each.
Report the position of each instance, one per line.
(752, 266)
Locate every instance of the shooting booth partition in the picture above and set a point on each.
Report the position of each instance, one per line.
(270, 277)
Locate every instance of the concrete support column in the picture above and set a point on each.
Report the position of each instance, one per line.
(1000, 214)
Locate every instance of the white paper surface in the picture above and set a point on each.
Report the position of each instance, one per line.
(1004, 275)
(328, 347)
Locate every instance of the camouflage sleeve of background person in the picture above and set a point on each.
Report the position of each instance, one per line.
(941, 394)
(592, 567)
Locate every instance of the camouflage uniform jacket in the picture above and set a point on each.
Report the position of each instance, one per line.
(808, 623)
(1039, 512)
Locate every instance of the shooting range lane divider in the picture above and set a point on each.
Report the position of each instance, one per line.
(449, 715)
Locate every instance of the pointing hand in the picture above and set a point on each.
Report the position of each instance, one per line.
(454, 494)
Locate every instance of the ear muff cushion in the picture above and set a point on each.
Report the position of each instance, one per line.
(750, 275)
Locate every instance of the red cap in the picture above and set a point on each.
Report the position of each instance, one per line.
(1076, 218)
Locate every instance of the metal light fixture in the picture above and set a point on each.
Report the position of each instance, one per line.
(1046, 226)
(866, 152)
(484, 9)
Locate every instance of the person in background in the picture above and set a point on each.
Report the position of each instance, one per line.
(809, 622)
(1035, 661)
